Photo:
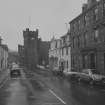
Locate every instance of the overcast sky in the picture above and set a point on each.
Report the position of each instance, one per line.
(50, 16)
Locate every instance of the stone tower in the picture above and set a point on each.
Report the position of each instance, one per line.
(30, 48)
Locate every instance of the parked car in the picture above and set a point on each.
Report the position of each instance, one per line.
(85, 78)
(15, 72)
(78, 77)
(97, 78)
(72, 76)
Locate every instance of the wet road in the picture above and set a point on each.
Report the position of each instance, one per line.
(46, 89)
(13, 92)
(72, 93)
(19, 91)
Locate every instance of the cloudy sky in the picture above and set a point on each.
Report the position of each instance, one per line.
(50, 16)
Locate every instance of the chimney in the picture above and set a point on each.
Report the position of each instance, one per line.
(84, 7)
(27, 29)
(91, 3)
(37, 32)
(0, 40)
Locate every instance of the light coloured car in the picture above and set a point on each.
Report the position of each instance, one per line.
(93, 73)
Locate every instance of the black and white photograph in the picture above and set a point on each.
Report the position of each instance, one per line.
(52, 52)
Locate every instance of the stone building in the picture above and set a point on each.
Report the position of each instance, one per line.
(3, 56)
(87, 32)
(35, 51)
(65, 60)
(21, 54)
(30, 48)
(60, 53)
(54, 54)
(43, 53)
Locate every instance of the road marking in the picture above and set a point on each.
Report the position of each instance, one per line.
(57, 97)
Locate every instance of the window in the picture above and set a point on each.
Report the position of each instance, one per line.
(73, 42)
(104, 5)
(84, 60)
(85, 38)
(92, 61)
(62, 51)
(64, 40)
(75, 26)
(96, 35)
(67, 64)
(79, 24)
(104, 9)
(78, 41)
(96, 14)
(73, 63)
(66, 50)
(72, 27)
(104, 61)
(56, 44)
(85, 20)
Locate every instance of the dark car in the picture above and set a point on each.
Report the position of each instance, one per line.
(72, 76)
(99, 83)
(14, 73)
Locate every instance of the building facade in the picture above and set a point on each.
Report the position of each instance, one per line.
(65, 60)
(21, 54)
(87, 32)
(60, 54)
(54, 54)
(43, 53)
(3, 56)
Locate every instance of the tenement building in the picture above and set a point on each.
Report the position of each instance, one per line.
(87, 32)
(54, 54)
(60, 53)
(65, 60)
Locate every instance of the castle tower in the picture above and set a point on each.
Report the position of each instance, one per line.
(31, 48)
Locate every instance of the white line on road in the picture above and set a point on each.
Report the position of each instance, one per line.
(57, 97)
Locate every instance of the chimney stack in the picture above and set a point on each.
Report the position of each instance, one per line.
(84, 7)
(91, 3)
(0, 40)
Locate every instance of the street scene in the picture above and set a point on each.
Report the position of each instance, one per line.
(52, 52)
(46, 89)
